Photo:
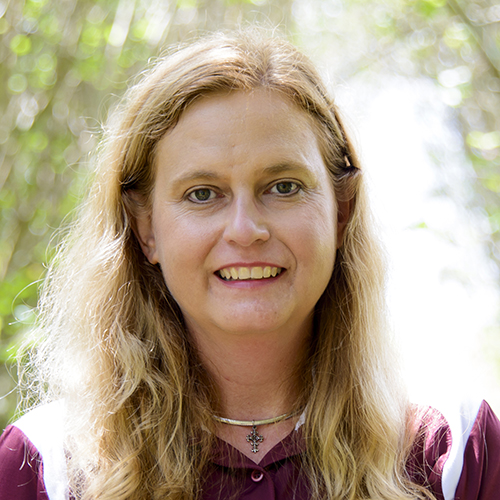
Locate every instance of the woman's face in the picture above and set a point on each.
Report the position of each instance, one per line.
(244, 217)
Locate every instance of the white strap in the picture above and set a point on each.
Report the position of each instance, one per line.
(460, 418)
(44, 427)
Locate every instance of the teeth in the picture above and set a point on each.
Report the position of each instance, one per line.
(245, 273)
(256, 273)
(225, 273)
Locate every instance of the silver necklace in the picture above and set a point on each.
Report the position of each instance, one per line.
(254, 438)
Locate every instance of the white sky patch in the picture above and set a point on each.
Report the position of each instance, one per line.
(442, 295)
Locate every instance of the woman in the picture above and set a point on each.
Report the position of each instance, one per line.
(213, 325)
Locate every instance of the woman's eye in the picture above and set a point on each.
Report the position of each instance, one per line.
(285, 187)
(202, 194)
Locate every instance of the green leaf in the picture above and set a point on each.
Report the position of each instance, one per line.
(20, 45)
(484, 141)
(428, 8)
(17, 83)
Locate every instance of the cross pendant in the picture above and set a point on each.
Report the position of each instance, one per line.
(255, 439)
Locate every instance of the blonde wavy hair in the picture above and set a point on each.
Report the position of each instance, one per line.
(110, 340)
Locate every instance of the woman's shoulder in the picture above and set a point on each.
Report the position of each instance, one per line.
(32, 456)
(456, 452)
(21, 472)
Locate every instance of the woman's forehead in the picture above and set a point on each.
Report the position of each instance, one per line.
(241, 126)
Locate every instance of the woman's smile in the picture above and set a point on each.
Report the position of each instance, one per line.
(238, 220)
(249, 273)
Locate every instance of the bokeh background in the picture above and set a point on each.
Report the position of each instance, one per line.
(419, 85)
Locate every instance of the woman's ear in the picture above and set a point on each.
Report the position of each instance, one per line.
(142, 224)
(343, 213)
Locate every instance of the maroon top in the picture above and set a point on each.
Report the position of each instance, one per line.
(456, 459)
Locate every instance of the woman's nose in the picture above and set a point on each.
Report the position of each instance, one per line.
(245, 224)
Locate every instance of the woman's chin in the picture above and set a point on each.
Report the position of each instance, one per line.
(242, 323)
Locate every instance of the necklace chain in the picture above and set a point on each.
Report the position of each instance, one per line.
(251, 423)
(254, 438)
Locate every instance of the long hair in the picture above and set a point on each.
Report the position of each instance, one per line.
(110, 339)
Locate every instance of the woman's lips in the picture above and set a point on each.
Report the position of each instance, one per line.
(233, 273)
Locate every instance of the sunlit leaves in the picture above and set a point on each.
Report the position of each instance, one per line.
(429, 8)
(4, 26)
(17, 83)
(50, 28)
(456, 35)
(20, 45)
(139, 29)
(91, 38)
(254, 2)
(460, 75)
(484, 141)
(187, 4)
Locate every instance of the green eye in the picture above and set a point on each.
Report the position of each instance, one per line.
(285, 187)
(201, 195)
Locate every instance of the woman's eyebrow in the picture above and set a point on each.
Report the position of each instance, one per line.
(197, 175)
(290, 167)
(279, 168)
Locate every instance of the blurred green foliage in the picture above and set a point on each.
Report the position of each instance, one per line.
(61, 62)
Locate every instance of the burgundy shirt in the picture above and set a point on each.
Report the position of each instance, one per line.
(457, 457)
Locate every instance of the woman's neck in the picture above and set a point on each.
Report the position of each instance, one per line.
(257, 375)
